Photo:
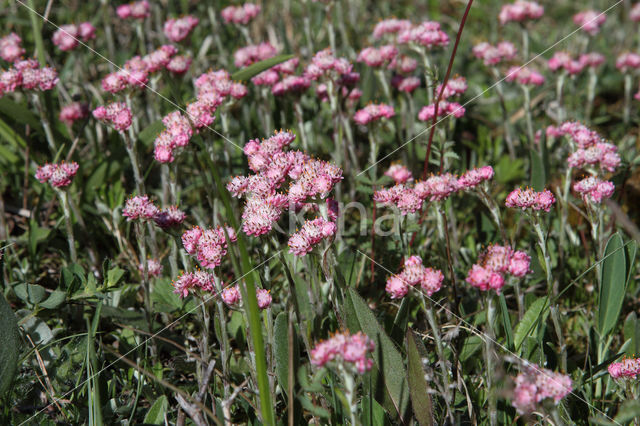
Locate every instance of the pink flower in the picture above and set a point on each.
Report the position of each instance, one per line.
(455, 87)
(345, 348)
(154, 268)
(324, 63)
(563, 60)
(519, 264)
(414, 273)
(190, 239)
(231, 296)
(240, 15)
(291, 84)
(139, 207)
(191, 281)
(427, 34)
(627, 369)
(592, 59)
(66, 37)
(399, 173)
(373, 112)
(493, 263)
(528, 198)
(58, 175)
(520, 11)
(178, 29)
(493, 55)
(474, 177)
(390, 26)
(590, 21)
(264, 298)
(525, 76)
(535, 385)
(406, 84)
(116, 114)
(179, 64)
(248, 55)
(634, 15)
(311, 234)
(396, 287)
(169, 218)
(11, 47)
(593, 189)
(114, 82)
(135, 10)
(628, 61)
(406, 64)
(73, 112)
(378, 57)
(603, 154)
(438, 187)
(445, 108)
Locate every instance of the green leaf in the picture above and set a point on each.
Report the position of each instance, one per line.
(255, 69)
(506, 322)
(281, 349)
(628, 411)
(54, 300)
(155, 415)
(469, 347)
(387, 359)
(31, 293)
(10, 338)
(371, 406)
(538, 175)
(149, 133)
(420, 399)
(613, 284)
(530, 321)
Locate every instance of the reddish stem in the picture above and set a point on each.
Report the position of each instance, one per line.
(444, 83)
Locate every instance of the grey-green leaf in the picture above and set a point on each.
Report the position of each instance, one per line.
(420, 399)
(281, 349)
(155, 415)
(54, 300)
(10, 338)
(613, 284)
(255, 69)
(530, 321)
(630, 410)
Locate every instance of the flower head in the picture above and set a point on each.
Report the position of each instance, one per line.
(529, 199)
(590, 21)
(58, 175)
(139, 207)
(11, 47)
(240, 15)
(178, 29)
(535, 385)
(520, 11)
(350, 350)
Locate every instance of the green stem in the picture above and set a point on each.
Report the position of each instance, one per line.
(489, 357)
(64, 199)
(440, 352)
(527, 113)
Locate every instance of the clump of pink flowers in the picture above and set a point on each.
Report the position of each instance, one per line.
(232, 297)
(177, 134)
(136, 71)
(170, 217)
(208, 245)
(496, 261)
(590, 148)
(68, 37)
(493, 55)
(350, 350)
(528, 198)
(628, 61)
(58, 175)
(390, 26)
(253, 53)
(179, 64)
(525, 76)
(564, 61)
(139, 207)
(594, 190)
(240, 15)
(154, 268)
(535, 385)
(628, 368)
(11, 47)
(445, 108)
(312, 233)
(177, 29)
(373, 112)
(427, 34)
(520, 11)
(590, 21)
(324, 63)
(115, 114)
(73, 112)
(378, 56)
(134, 10)
(414, 273)
(455, 87)
(27, 75)
(474, 177)
(291, 84)
(399, 173)
(192, 281)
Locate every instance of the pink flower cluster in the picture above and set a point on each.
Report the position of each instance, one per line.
(208, 245)
(232, 297)
(73, 112)
(494, 263)
(170, 217)
(474, 177)
(390, 26)
(520, 11)
(445, 108)
(11, 47)
(139, 207)
(324, 63)
(115, 114)
(291, 84)
(218, 84)
(27, 75)
(154, 268)
(191, 281)
(634, 15)
(177, 134)
(58, 175)
(68, 37)
(564, 61)
(345, 348)
(427, 34)
(179, 64)
(593, 189)
(311, 234)
(591, 147)
(272, 75)
(240, 15)
(405, 84)
(414, 273)
(590, 21)
(455, 87)
(134, 10)
(253, 53)
(535, 385)
(399, 173)
(378, 56)
(628, 368)
(591, 59)
(308, 178)
(409, 199)
(628, 61)
(524, 75)
(528, 198)
(177, 29)
(493, 55)
(373, 112)
(136, 71)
